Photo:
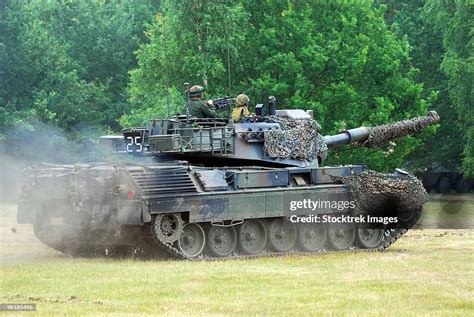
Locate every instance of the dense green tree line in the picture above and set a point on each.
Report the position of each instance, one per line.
(66, 63)
(71, 64)
(440, 36)
(339, 60)
(456, 24)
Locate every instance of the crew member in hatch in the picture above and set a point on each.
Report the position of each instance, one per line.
(196, 105)
(241, 110)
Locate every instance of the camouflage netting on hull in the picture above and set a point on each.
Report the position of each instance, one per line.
(297, 139)
(389, 195)
(379, 136)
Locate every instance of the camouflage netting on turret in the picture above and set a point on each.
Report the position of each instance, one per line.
(389, 195)
(379, 136)
(297, 139)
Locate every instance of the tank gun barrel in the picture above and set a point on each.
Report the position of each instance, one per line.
(375, 137)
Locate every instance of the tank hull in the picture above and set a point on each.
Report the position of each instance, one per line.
(184, 211)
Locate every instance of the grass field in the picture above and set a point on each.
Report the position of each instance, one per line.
(427, 272)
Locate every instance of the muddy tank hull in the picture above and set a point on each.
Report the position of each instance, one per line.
(183, 211)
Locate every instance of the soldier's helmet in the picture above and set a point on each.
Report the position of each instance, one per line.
(242, 100)
(196, 91)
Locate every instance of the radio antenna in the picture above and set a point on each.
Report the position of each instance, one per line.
(228, 54)
(186, 91)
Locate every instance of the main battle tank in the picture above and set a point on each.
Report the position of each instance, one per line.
(211, 188)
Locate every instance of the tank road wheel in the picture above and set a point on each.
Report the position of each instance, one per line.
(168, 227)
(369, 238)
(252, 236)
(221, 241)
(341, 236)
(311, 237)
(282, 235)
(192, 240)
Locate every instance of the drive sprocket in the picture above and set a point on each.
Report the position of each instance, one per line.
(168, 227)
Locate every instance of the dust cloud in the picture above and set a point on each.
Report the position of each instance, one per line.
(35, 142)
(40, 142)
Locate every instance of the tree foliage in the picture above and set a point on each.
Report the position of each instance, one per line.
(440, 37)
(339, 60)
(65, 63)
(455, 21)
(188, 42)
(80, 66)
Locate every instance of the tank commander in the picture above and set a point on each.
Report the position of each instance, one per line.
(196, 106)
(241, 110)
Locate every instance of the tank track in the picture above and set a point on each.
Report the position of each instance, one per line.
(152, 248)
(158, 250)
(391, 235)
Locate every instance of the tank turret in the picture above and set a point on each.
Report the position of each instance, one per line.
(285, 138)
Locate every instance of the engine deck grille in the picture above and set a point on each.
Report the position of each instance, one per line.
(155, 183)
